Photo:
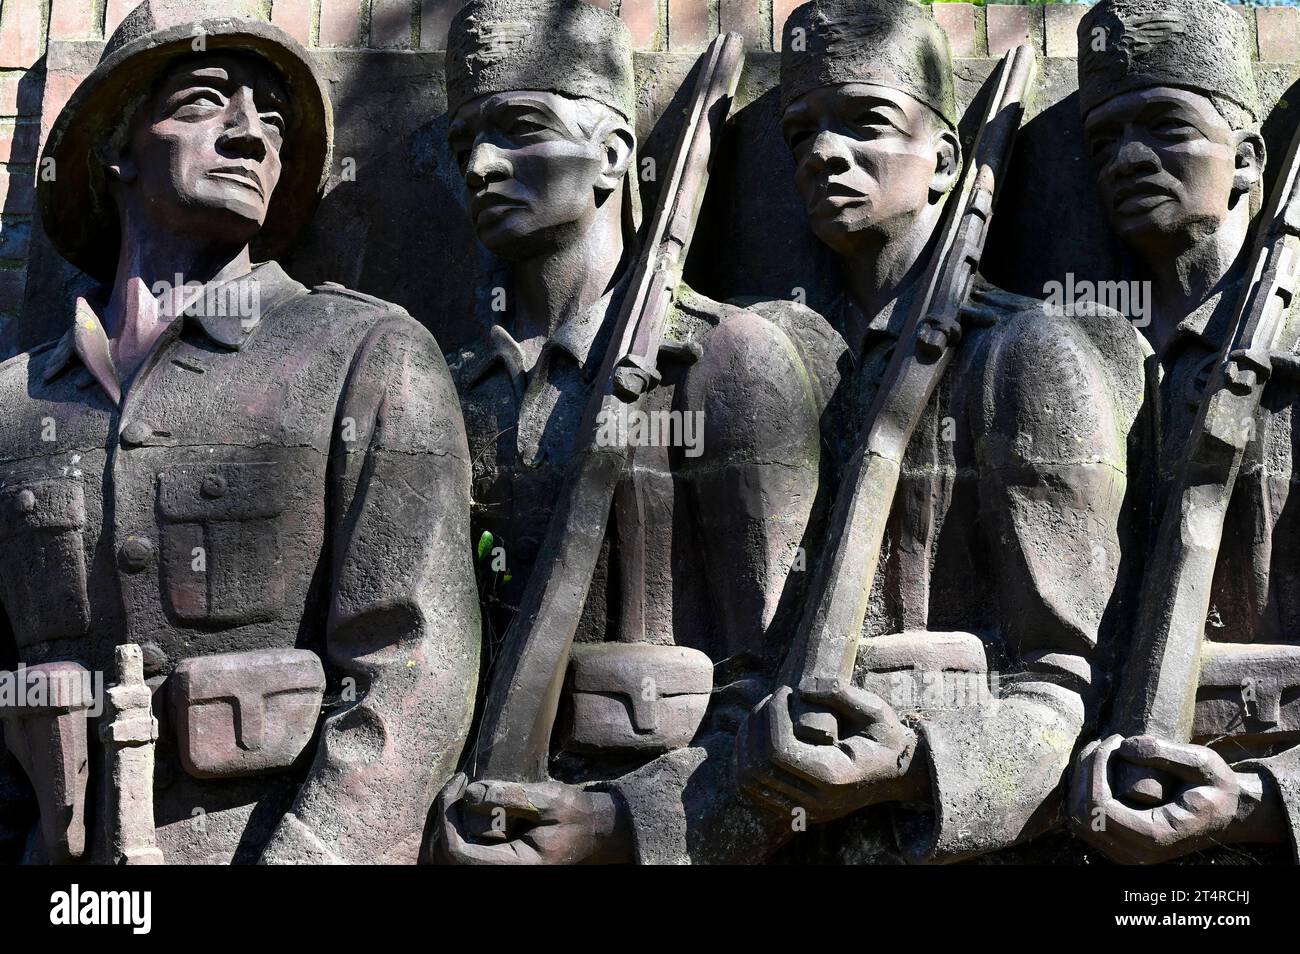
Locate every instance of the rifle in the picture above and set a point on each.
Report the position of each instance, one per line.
(1157, 694)
(825, 645)
(524, 694)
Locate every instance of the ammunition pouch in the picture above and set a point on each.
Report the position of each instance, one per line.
(1250, 692)
(248, 713)
(919, 671)
(636, 697)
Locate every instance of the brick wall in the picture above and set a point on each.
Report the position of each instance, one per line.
(42, 40)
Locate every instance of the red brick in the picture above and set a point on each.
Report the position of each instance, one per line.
(340, 23)
(1010, 26)
(1279, 34)
(642, 20)
(18, 192)
(742, 16)
(958, 21)
(73, 20)
(22, 38)
(19, 142)
(780, 11)
(390, 24)
(689, 25)
(20, 93)
(294, 18)
(115, 12)
(1062, 28)
(59, 86)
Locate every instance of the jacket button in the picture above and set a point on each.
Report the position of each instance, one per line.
(26, 501)
(135, 553)
(213, 486)
(136, 432)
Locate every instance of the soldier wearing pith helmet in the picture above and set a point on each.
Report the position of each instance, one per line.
(262, 489)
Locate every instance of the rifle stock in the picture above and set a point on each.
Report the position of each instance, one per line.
(825, 645)
(513, 743)
(1157, 694)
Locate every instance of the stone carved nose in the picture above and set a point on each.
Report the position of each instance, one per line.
(828, 154)
(243, 133)
(486, 165)
(1134, 155)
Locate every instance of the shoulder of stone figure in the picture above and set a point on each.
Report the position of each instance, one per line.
(1030, 330)
(17, 371)
(821, 350)
(359, 303)
(364, 312)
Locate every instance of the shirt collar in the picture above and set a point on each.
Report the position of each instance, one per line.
(578, 337)
(264, 288)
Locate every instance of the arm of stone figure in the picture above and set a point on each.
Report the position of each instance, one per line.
(1058, 401)
(762, 383)
(403, 628)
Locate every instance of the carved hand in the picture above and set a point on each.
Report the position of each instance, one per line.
(529, 823)
(871, 762)
(1205, 793)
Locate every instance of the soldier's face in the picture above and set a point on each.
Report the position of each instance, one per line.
(203, 154)
(868, 160)
(1169, 166)
(537, 167)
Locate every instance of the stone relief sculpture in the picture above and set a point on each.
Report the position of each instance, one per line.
(245, 497)
(543, 134)
(636, 575)
(1171, 111)
(1022, 443)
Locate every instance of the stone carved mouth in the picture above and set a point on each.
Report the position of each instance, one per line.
(240, 176)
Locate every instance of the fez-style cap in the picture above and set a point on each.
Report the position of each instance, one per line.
(893, 43)
(76, 210)
(1201, 45)
(558, 46)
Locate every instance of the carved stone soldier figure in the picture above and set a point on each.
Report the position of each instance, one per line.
(263, 488)
(1171, 112)
(542, 104)
(975, 667)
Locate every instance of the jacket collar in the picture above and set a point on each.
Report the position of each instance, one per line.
(265, 287)
(578, 337)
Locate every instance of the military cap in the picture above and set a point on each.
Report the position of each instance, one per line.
(893, 43)
(559, 46)
(1201, 45)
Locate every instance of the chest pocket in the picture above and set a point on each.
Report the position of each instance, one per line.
(226, 533)
(43, 560)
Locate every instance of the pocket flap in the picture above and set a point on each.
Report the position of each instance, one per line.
(222, 491)
(54, 504)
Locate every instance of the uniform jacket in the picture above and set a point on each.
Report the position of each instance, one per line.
(298, 481)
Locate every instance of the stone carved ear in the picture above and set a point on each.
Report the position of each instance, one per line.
(118, 167)
(1250, 160)
(619, 145)
(947, 161)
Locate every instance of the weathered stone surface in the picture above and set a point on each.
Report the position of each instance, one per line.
(1005, 596)
(174, 525)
